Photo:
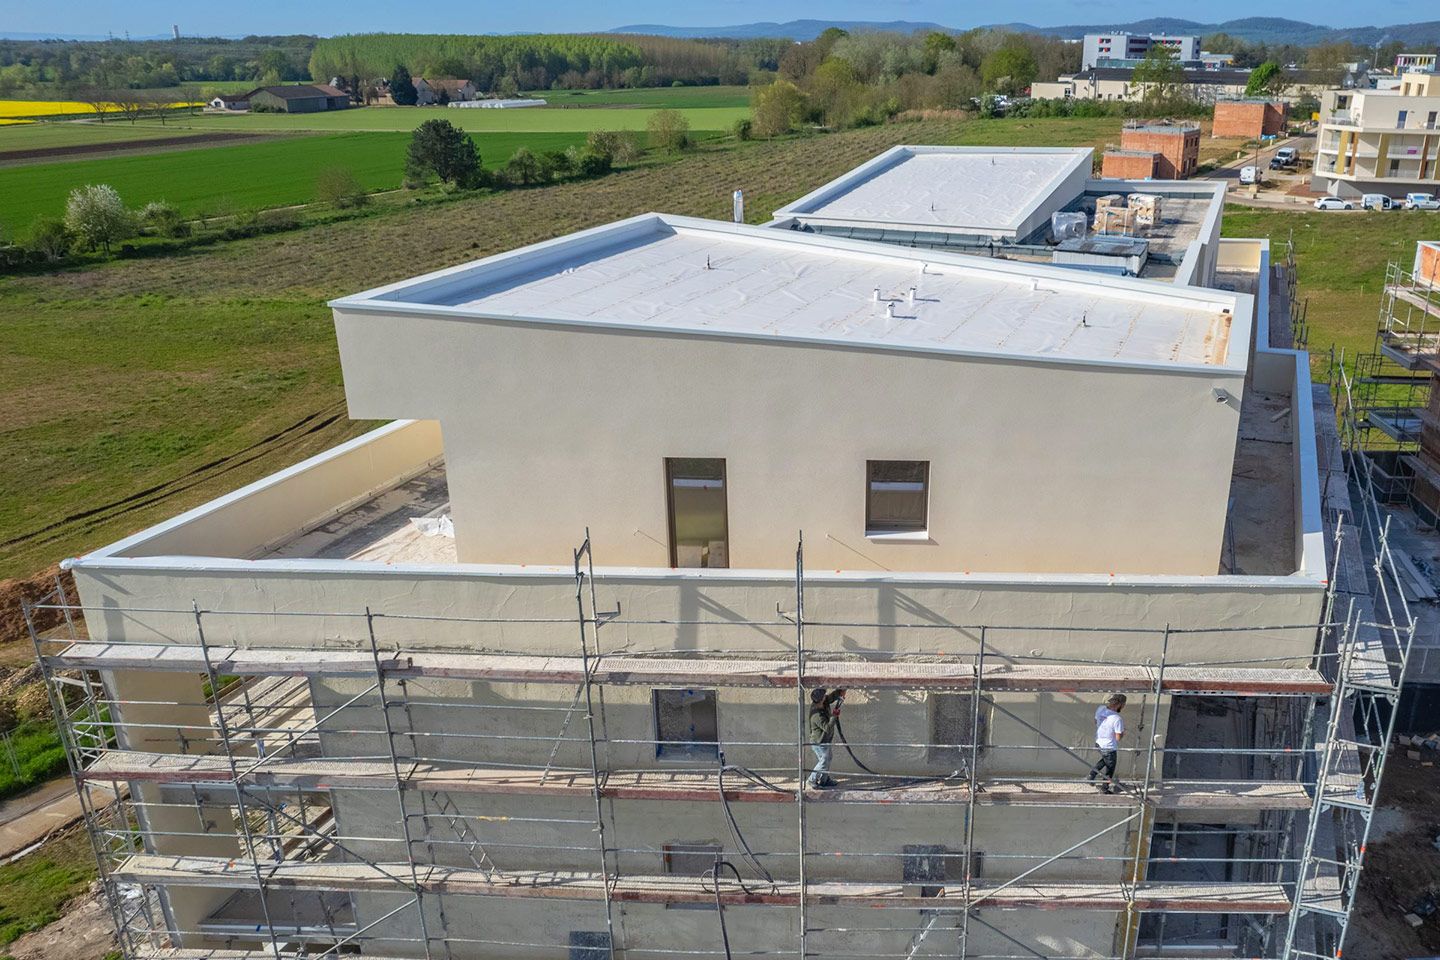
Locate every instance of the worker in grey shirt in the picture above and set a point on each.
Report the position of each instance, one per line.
(1109, 728)
(824, 718)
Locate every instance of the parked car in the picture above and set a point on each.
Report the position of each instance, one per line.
(1249, 175)
(1333, 203)
(1378, 201)
(1421, 201)
(1277, 164)
(1288, 156)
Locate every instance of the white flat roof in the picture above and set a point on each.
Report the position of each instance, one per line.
(683, 276)
(946, 189)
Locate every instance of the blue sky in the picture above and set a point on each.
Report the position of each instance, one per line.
(149, 17)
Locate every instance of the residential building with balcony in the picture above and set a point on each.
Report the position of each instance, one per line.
(1380, 141)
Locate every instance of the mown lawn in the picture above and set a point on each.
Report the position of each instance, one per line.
(1340, 263)
(525, 120)
(228, 177)
(657, 97)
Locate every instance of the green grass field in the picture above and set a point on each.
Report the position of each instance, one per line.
(527, 120)
(267, 173)
(677, 98)
(1340, 260)
(33, 889)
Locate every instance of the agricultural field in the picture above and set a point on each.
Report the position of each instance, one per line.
(475, 120)
(658, 98)
(43, 136)
(273, 172)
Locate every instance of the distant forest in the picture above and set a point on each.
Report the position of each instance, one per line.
(958, 65)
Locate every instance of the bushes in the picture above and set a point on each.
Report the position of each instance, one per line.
(621, 146)
(163, 220)
(669, 131)
(339, 187)
(49, 239)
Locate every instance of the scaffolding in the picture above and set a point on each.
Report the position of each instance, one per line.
(251, 754)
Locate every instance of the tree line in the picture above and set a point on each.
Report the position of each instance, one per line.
(29, 65)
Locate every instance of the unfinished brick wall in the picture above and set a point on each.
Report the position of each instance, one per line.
(1179, 148)
(1429, 263)
(1129, 165)
(1250, 119)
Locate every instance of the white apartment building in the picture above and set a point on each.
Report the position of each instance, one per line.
(1380, 141)
(1122, 46)
(525, 672)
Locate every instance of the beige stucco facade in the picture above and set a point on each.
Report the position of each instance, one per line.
(1380, 141)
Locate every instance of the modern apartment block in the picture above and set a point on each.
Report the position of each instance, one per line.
(1380, 141)
(1122, 49)
(526, 672)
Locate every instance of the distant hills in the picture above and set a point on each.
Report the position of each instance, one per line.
(1255, 29)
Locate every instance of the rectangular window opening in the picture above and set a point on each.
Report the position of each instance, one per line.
(897, 496)
(692, 861)
(952, 716)
(699, 527)
(686, 725)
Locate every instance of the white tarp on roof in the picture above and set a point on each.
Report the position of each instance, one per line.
(757, 286)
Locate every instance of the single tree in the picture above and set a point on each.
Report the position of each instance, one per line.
(669, 130)
(1010, 68)
(621, 146)
(1160, 76)
(97, 216)
(339, 187)
(1266, 80)
(523, 167)
(402, 88)
(49, 237)
(776, 107)
(440, 149)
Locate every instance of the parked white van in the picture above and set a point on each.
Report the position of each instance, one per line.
(1421, 201)
(1249, 175)
(1378, 201)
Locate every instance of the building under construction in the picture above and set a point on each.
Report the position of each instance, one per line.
(526, 672)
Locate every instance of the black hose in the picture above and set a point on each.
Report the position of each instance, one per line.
(902, 781)
(750, 857)
(719, 904)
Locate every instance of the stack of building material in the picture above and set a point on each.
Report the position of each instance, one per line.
(1116, 219)
(1146, 208)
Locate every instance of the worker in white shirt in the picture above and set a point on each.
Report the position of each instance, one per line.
(1109, 728)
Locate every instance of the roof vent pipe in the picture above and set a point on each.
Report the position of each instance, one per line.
(875, 295)
(910, 297)
(739, 208)
(890, 310)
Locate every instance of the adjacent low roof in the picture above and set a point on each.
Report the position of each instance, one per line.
(682, 276)
(983, 190)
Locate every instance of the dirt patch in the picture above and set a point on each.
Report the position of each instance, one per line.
(1400, 865)
(33, 588)
(85, 932)
(124, 146)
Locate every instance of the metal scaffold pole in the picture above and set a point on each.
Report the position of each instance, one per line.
(801, 716)
(582, 574)
(972, 788)
(399, 782)
(242, 815)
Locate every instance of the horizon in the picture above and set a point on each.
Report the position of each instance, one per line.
(148, 19)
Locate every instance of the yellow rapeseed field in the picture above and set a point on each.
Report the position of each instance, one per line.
(16, 110)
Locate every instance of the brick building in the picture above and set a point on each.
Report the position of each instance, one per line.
(1129, 164)
(1248, 118)
(1178, 145)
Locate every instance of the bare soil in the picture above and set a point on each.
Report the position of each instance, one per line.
(124, 146)
(84, 932)
(1401, 863)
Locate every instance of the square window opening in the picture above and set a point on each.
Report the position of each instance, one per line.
(686, 724)
(897, 496)
(690, 860)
